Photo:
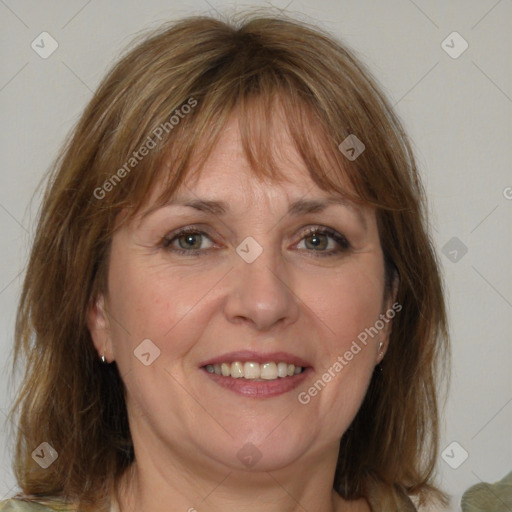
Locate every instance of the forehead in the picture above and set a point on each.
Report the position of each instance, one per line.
(226, 184)
(253, 152)
(228, 173)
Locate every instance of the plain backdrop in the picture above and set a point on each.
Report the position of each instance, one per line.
(456, 106)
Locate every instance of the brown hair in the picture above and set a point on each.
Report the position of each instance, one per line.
(76, 404)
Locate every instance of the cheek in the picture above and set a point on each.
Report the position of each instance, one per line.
(343, 306)
(155, 302)
(349, 300)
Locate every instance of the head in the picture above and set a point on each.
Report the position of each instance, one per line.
(251, 115)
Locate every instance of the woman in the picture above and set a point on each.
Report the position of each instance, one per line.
(232, 300)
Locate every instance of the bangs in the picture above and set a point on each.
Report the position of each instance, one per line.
(261, 118)
(250, 75)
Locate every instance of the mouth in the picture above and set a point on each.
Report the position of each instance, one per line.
(257, 375)
(250, 370)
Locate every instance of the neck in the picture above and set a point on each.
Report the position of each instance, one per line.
(175, 487)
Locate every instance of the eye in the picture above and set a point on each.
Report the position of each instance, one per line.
(187, 240)
(324, 241)
(321, 241)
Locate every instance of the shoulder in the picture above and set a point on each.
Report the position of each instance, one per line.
(23, 505)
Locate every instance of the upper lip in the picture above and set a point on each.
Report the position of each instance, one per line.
(257, 357)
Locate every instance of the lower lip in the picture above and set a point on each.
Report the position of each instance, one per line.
(259, 388)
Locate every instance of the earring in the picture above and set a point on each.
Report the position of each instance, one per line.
(103, 358)
(380, 346)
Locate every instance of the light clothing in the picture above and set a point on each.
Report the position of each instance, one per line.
(24, 506)
(377, 500)
(16, 505)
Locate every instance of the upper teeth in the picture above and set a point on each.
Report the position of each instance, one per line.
(251, 370)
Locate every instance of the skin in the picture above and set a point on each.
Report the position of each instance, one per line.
(187, 429)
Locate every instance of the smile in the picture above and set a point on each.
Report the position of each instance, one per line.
(255, 374)
(251, 370)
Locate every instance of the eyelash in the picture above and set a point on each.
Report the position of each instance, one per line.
(341, 241)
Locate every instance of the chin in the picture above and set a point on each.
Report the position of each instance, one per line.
(267, 446)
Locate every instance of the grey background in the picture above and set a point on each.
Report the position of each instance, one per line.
(456, 110)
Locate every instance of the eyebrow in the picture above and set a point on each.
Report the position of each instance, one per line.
(296, 208)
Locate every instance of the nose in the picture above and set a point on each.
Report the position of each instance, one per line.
(260, 294)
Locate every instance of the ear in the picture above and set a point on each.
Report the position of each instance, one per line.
(99, 327)
(390, 309)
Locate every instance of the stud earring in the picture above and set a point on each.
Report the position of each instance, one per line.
(380, 346)
(103, 358)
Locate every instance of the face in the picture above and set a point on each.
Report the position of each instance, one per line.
(271, 285)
